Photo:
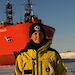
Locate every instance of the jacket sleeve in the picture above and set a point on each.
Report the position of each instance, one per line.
(60, 67)
(18, 65)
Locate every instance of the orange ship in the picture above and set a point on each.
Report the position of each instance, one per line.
(14, 38)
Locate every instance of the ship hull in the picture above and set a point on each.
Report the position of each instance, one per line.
(14, 38)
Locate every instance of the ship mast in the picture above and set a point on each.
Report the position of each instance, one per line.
(28, 15)
(9, 12)
(28, 10)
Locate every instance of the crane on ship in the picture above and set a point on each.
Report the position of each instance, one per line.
(9, 13)
(29, 15)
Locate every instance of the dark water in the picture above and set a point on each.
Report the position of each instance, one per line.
(68, 60)
(70, 65)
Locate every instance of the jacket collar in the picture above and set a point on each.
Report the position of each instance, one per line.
(39, 48)
(32, 45)
(32, 52)
(44, 47)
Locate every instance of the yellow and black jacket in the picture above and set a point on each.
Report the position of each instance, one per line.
(44, 61)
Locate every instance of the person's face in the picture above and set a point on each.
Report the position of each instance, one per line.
(37, 37)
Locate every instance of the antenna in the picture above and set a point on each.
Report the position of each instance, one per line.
(9, 12)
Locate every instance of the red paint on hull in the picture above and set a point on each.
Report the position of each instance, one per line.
(14, 38)
(7, 59)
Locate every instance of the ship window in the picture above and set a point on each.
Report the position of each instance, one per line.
(8, 38)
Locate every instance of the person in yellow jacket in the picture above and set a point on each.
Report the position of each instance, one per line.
(38, 58)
